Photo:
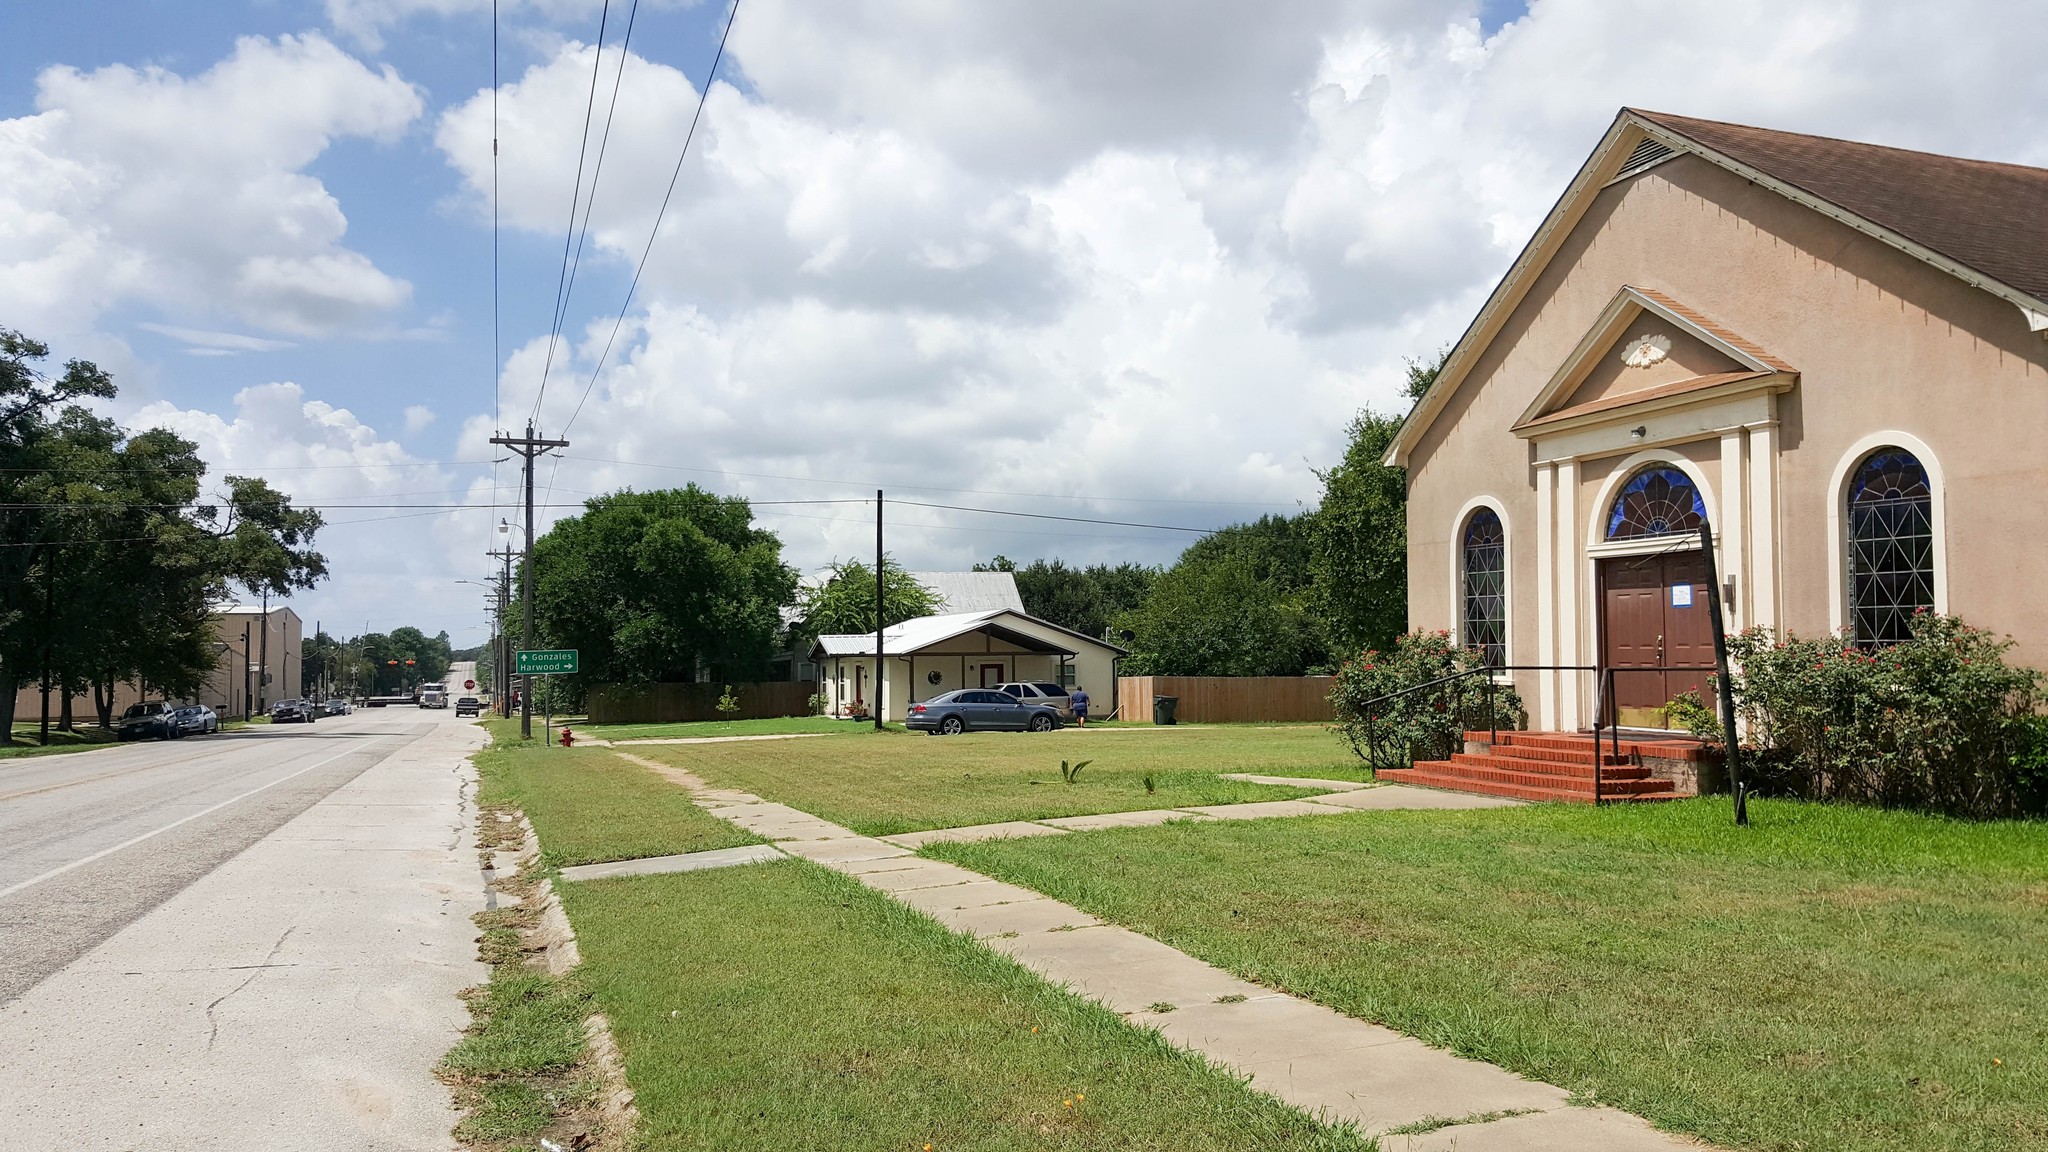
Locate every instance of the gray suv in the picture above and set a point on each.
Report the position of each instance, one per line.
(1042, 692)
(979, 710)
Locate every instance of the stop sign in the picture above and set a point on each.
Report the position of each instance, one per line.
(469, 683)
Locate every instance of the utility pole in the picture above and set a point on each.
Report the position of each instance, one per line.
(263, 646)
(246, 668)
(881, 669)
(501, 673)
(529, 449)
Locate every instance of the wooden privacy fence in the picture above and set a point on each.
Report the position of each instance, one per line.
(672, 703)
(1227, 699)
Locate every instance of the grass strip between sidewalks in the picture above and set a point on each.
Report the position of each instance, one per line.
(1831, 977)
(881, 784)
(784, 1006)
(699, 729)
(589, 805)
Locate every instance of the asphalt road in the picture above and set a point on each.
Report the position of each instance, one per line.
(91, 841)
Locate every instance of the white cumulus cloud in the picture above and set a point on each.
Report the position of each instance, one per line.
(189, 194)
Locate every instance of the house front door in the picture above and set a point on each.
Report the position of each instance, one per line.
(991, 675)
(1653, 616)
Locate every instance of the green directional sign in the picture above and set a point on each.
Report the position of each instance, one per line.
(544, 661)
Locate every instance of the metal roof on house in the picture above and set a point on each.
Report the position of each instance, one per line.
(972, 591)
(927, 631)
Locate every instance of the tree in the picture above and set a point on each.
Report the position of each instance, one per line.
(266, 545)
(1359, 536)
(845, 601)
(1086, 600)
(662, 586)
(1236, 603)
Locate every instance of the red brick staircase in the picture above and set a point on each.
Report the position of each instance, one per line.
(1559, 766)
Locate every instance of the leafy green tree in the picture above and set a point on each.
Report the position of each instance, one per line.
(845, 601)
(1359, 542)
(30, 402)
(265, 544)
(1086, 600)
(662, 586)
(1236, 603)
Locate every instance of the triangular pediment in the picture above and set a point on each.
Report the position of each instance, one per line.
(1643, 345)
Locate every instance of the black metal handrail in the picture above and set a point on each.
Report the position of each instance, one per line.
(1606, 713)
(1374, 706)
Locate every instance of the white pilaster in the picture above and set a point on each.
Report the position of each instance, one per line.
(1546, 601)
(1729, 542)
(1569, 559)
(1763, 527)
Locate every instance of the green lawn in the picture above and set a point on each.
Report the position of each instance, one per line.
(784, 1006)
(1830, 978)
(701, 728)
(26, 736)
(881, 784)
(588, 804)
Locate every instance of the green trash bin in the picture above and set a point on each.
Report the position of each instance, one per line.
(1162, 709)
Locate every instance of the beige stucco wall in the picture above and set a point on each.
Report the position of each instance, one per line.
(1882, 341)
(222, 689)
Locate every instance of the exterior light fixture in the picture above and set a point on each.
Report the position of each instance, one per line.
(1638, 432)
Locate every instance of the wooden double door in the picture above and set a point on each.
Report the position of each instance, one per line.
(1654, 615)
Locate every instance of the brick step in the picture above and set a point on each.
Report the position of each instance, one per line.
(1582, 744)
(1581, 755)
(1564, 769)
(1641, 785)
(1426, 779)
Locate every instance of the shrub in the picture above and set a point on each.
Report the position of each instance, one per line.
(1428, 723)
(1939, 722)
(728, 702)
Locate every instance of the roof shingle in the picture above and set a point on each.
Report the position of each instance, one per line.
(1987, 216)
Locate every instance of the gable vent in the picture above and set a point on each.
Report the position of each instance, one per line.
(1647, 155)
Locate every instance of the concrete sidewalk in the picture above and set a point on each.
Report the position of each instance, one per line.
(1310, 1056)
(298, 996)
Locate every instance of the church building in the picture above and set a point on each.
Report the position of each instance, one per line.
(1831, 353)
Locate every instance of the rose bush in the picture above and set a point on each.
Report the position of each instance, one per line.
(1425, 724)
(1940, 722)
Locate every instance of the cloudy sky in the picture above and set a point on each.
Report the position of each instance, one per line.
(1122, 261)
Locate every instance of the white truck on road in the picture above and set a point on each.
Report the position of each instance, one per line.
(433, 695)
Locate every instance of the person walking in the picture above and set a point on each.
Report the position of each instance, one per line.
(1080, 702)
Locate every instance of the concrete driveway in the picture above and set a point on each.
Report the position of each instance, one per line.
(247, 941)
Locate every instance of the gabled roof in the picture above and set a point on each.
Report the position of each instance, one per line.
(972, 591)
(1987, 216)
(1982, 222)
(926, 631)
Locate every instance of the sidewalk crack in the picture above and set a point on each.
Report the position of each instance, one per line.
(213, 1024)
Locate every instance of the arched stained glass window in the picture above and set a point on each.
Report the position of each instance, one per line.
(1891, 546)
(1656, 502)
(1485, 587)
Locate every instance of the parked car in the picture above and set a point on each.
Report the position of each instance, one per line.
(336, 706)
(1042, 692)
(469, 706)
(148, 720)
(197, 720)
(980, 710)
(292, 712)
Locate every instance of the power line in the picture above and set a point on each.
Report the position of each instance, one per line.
(596, 173)
(575, 197)
(1050, 516)
(928, 488)
(655, 231)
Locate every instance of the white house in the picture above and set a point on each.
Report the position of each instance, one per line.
(934, 654)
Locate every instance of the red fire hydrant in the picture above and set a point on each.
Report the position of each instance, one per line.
(568, 738)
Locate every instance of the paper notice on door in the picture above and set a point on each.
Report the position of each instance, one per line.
(1681, 595)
